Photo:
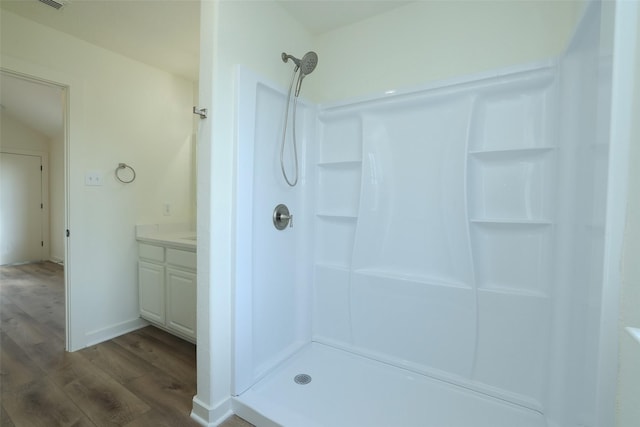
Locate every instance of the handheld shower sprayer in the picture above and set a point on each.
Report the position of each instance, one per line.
(305, 66)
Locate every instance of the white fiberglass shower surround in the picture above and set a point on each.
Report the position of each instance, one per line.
(445, 263)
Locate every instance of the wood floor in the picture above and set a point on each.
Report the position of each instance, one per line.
(144, 378)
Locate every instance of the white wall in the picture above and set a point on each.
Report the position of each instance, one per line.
(120, 111)
(252, 33)
(628, 410)
(432, 40)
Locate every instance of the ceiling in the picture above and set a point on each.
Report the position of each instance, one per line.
(162, 33)
(320, 16)
(35, 104)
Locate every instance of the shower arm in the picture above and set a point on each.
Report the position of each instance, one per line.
(286, 58)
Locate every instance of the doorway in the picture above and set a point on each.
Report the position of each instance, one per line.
(22, 219)
(33, 186)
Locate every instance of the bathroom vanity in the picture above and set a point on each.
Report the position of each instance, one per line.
(167, 280)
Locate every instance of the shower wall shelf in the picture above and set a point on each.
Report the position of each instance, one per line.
(338, 216)
(338, 196)
(511, 176)
(512, 186)
(334, 241)
(511, 222)
(489, 288)
(346, 164)
(389, 273)
(510, 154)
(341, 138)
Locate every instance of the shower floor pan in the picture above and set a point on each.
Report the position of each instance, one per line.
(347, 390)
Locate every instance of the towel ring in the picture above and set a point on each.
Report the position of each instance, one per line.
(125, 166)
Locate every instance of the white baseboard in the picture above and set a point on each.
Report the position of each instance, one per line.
(208, 416)
(105, 334)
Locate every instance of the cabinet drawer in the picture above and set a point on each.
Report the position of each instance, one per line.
(181, 258)
(150, 252)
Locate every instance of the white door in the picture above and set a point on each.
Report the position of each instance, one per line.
(20, 208)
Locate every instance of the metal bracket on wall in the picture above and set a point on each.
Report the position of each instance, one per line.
(202, 112)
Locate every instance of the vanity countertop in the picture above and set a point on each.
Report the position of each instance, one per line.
(167, 236)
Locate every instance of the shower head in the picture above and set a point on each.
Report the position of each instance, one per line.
(306, 65)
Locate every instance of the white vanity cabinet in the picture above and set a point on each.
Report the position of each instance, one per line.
(167, 288)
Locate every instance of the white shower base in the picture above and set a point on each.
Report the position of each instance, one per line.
(348, 390)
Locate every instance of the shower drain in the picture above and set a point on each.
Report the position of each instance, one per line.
(302, 379)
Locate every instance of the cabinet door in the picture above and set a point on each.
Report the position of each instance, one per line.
(151, 291)
(181, 301)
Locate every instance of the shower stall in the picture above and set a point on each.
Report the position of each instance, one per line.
(444, 262)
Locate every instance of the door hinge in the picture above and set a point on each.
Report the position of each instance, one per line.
(68, 233)
(42, 243)
(40, 168)
(41, 206)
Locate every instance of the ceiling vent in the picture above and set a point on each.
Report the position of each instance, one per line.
(56, 4)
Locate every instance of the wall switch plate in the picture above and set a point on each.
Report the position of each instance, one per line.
(93, 178)
(166, 209)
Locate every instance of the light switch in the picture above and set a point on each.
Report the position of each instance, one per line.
(93, 178)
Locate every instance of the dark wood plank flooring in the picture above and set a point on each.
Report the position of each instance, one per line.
(144, 378)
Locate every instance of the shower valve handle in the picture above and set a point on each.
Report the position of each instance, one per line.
(282, 217)
(287, 218)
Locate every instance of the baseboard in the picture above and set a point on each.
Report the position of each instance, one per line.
(208, 416)
(105, 334)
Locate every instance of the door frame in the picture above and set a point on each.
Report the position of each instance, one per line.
(44, 182)
(34, 73)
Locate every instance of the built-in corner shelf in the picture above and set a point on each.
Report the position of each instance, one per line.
(337, 216)
(344, 164)
(338, 192)
(515, 292)
(511, 222)
(399, 274)
(510, 154)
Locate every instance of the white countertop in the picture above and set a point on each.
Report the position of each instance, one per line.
(180, 236)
